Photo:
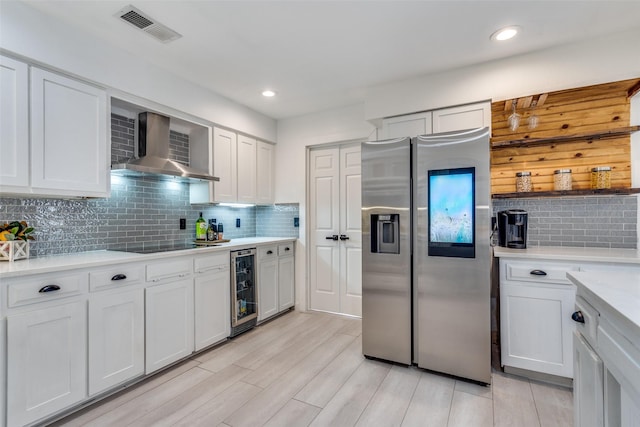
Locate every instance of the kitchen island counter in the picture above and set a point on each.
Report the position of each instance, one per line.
(53, 263)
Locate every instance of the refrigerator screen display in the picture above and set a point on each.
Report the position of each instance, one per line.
(451, 207)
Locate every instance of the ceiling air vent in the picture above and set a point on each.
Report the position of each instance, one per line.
(135, 17)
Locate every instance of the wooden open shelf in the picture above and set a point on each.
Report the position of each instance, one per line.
(609, 134)
(530, 194)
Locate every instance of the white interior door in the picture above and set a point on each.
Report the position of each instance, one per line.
(350, 228)
(335, 256)
(324, 223)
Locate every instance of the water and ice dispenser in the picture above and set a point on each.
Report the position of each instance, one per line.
(385, 233)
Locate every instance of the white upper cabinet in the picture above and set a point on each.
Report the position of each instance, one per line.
(470, 116)
(69, 149)
(225, 165)
(244, 166)
(264, 173)
(14, 124)
(409, 125)
(67, 152)
(246, 169)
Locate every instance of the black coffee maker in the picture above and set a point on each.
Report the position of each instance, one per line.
(512, 229)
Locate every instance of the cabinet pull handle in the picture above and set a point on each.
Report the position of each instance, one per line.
(49, 288)
(119, 277)
(269, 252)
(578, 317)
(538, 273)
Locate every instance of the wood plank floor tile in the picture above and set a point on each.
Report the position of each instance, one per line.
(513, 403)
(431, 402)
(294, 414)
(269, 401)
(473, 388)
(353, 327)
(390, 402)
(325, 385)
(554, 404)
(84, 416)
(141, 405)
(470, 410)
(298, 350)
(190, 400)
(214, 411)
(353, 397)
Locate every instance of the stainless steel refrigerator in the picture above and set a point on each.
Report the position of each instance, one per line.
(426, 252)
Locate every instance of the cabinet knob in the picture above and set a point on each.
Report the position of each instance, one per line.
(538, 273)
(286, 249)
(269, 252)
(49, 288)
(119, 277)
(578, 317)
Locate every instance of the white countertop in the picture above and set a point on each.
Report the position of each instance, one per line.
(565, 253)
(48, 264)
(618, 291)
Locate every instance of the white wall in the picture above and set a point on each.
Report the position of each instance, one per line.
(27, 32)
(598, 61)
(294, 136)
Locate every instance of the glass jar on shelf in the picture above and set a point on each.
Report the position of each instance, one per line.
(562, 180)
(523, 182)
(601, 177)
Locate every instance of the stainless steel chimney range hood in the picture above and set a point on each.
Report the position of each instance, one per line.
(153, 155)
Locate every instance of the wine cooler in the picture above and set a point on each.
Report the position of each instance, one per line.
(244, 294)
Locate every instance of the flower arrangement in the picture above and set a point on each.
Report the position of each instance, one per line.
(16, 230)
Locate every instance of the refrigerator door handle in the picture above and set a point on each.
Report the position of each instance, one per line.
(334, 237)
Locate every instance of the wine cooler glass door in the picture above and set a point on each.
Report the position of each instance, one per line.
(244, 294)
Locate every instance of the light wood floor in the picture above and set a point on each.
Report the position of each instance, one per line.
(307, 369)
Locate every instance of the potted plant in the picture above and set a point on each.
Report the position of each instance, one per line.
(14, 240)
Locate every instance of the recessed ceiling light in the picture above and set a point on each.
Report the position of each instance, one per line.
(505, 33)
(268, 93)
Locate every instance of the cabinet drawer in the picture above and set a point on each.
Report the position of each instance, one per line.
(115, 276)
(266, 252)
(45, 288)
(540, 273)
(589, 327)
(169, 269)
(216, 262)
(285, 249)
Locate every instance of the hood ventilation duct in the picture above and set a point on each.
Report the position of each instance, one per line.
(153, 154)
(141, 21)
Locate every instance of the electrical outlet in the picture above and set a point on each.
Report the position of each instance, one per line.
(296, 222)
(237, 222)
(183, 223)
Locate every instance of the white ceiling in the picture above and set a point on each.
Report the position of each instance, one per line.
(319, 55)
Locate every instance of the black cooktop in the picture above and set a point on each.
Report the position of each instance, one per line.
(152, 249)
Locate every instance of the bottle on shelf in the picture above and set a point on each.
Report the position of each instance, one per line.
(212, 232)
(220, 231)
(201, 228)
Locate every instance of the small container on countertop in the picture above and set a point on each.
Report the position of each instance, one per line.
(523, 182)
(562, 180)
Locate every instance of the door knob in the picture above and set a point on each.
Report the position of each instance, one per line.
(578, 317)
(334, 237)
(344, 237)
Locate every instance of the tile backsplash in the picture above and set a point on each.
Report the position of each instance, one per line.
(592, 221)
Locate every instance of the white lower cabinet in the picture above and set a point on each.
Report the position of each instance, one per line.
(212, 290)
(169, 322)
(536, 302)
(47, 361)
(588, 409)
(267, 282)
(276, 291)
(286, 294)
(116, 338)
